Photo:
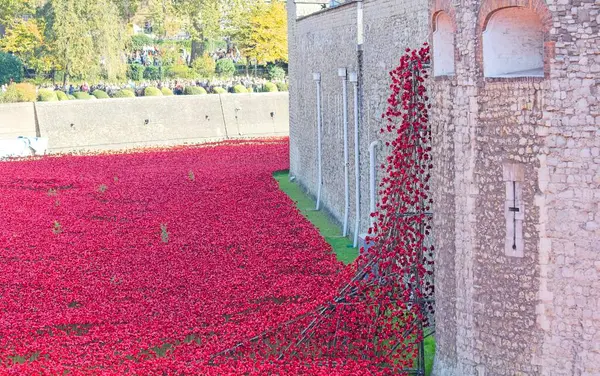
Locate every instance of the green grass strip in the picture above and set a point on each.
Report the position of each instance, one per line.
(342, 246)
(429, 354)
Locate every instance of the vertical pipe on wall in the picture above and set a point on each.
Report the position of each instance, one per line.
(372, 179)
(317, 78)
(354, 80)
(342, 73)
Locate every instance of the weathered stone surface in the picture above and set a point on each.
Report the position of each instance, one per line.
(496, 314)
(118, 124)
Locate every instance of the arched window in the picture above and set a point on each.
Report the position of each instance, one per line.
(443, 45)
(513, 44)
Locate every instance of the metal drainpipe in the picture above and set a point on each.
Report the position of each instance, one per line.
(354, 80)
(342, 73)
(317, 78)
(372, 179)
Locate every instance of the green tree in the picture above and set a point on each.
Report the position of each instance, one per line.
(25, 39)
(235, 17)
(11, 68)
(127, 8)
(86, 38)
(163, 16)
(202, 20)
(264, 37)
(12, 11)
(140, 41)
(225, 68)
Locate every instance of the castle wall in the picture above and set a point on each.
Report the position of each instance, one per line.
(517, 290)
(322, 43)
(529, 314)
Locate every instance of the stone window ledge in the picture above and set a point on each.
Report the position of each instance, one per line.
(538, 72)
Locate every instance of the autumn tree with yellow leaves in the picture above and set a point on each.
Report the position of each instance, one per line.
(263, 38)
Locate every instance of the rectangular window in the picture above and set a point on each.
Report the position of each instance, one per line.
(514, 209)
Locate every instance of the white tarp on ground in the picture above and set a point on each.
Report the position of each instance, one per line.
(23, 147)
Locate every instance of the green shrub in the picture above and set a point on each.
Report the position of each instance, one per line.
(194, 90)
(219, 90)
(82, 95)
(166, 91)
(135, 72)
(270, 87)
(100, 94)
(10, 96)
(250, 89)
(225, 68)
(61, 96)
(276, 73)
(59, 76)
(71, 97)
(47, 95)
(239, 89)
(125, 93)
(10, 67)
(139, 41)
(204, 66)
(282, 86)
(181, 71)
(152, 92)
(153, 73)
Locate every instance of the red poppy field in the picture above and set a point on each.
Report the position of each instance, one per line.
(151, 262)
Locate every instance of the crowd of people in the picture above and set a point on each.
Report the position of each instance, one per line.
(231, 53)
(176, 85)
(153, 56)
(150, 56)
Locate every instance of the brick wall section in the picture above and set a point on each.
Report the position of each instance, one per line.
(496, 315)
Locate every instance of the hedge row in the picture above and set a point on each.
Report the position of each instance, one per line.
(25, 92)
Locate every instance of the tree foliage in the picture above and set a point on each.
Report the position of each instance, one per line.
(12, 11)
(205, 66)
(164, 17)
(264, 37)
(140, 41)
(89, 39)
(127, 8)
(86, 38)
(11, 67)
(235, 17)
(202, 20)
(26, 40)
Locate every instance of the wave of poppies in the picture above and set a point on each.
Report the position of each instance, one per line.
(151, 262)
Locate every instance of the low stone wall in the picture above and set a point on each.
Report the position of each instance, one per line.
(117, 124)
(17, 119)
(247, 117)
